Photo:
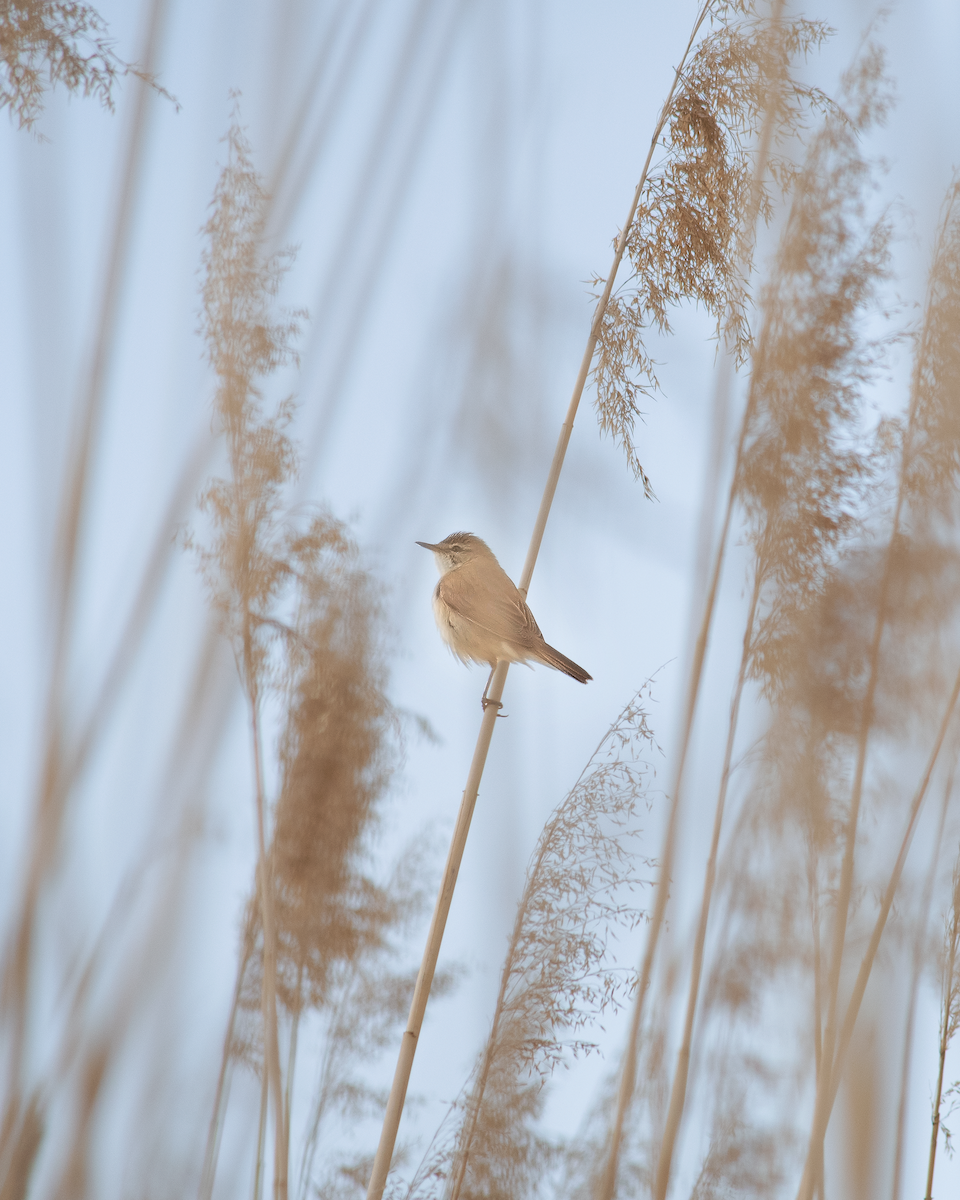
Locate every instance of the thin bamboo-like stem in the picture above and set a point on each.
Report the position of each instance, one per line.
(291, 1060)
(223, 1080)
(388, 1135)
(935, 1132)
(915, 984)
(817, 989)
(608, 1180)
(421, 992)
(261, 1139)
(678, 1090)
(830, 1079)
(271, 1047)
(944, 1039)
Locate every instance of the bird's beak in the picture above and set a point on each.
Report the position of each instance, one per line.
(428, 546)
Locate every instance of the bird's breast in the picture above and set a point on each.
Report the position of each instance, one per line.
(444, 616)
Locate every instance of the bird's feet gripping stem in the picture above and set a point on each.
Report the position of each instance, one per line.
(486, 702)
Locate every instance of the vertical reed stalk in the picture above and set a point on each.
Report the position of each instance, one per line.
(833, 1066)
(215, 1130)
(261, 1140)
(935, 1131)
(428, 966)
(948, 1016)
(679, 1087)
(918, 946)
(271, 1047)
(291, 1061)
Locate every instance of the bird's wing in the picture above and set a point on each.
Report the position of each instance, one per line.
(489, 600)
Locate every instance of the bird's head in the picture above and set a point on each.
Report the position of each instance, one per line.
(457, 549)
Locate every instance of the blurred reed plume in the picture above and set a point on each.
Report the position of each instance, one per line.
(303, 619)
(45, 44)
(49, 43)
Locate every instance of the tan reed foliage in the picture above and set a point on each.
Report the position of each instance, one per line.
(686, 238)
(46, 43)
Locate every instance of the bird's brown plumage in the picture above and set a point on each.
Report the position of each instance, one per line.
(483, 617)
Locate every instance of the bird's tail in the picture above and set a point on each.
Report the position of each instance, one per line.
(560, 662)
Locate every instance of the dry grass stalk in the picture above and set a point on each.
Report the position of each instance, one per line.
(949, 1016)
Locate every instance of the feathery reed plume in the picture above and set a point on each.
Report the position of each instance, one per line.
(336, 757)
(684, 239)
(949, 1016)
(44, 43)
(252, 558)
(557, 976)
(332, 919)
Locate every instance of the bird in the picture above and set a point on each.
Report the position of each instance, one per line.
(481, 614)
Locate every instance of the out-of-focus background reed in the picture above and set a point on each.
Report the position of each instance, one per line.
(448, 177)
